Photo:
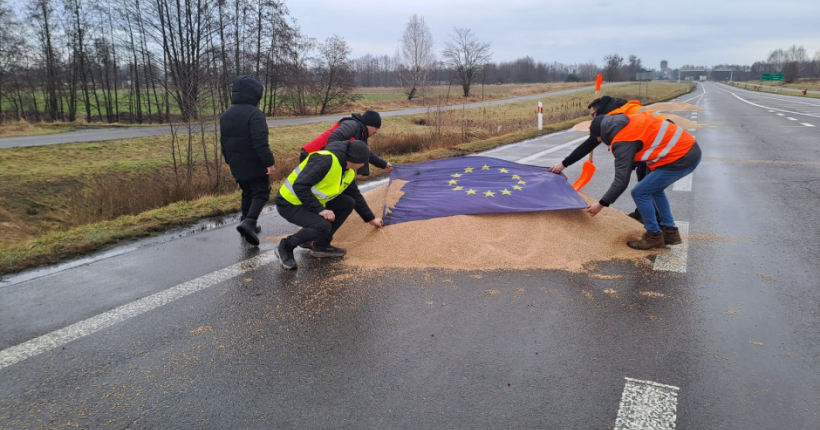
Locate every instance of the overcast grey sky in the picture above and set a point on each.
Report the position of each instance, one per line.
(697, 32)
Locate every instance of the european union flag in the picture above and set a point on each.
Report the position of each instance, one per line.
(477, 185)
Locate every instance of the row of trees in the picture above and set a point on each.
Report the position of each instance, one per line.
(153, 60)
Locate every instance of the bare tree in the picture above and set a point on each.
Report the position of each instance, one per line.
(299, 78)
(466, 55)
(334, 74)
(417, 56)
(612, 66)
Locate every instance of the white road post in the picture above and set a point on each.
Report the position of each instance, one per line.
(540, 116)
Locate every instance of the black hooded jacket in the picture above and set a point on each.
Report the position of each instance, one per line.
(317, 167)
(244, 131)
(354, 127)
(608, 104)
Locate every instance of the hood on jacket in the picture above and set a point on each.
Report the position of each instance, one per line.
(609, 104)
(246, 91)
(611, 125)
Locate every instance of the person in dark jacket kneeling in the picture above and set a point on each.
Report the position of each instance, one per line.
(669, 152)
(319, 195)
(244, 137)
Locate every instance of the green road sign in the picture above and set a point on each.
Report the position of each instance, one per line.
(771, 77)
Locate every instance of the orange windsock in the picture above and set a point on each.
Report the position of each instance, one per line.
(598, 82)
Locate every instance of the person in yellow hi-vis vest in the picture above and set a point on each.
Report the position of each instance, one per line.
(318, 196)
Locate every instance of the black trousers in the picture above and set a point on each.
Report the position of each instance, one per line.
(314, 227)
(255, 193)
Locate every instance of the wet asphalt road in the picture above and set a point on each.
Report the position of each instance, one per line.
(734, 329)
(103, 133)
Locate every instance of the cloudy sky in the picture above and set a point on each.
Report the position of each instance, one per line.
(695, 32)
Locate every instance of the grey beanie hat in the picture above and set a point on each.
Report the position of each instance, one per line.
(357, 152)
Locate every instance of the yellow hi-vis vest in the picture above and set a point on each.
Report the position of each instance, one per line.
(632, 107)
(334, 183)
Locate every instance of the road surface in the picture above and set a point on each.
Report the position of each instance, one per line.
(196, 330)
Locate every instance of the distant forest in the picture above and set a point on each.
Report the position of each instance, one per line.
(157, 61)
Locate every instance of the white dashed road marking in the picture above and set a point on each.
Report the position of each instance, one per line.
(791, 119)
(675, 257)
(647, 405)
(683, 184)
(78, 330)
(807, 124)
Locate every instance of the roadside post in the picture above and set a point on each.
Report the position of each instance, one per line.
(540, 116)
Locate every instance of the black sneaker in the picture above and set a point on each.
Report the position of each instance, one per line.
(636, 216)
(306, 245)
(247, 229)
(285, 254)
(327, 251)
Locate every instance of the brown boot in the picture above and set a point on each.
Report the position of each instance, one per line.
(648, 241)
(671, 235)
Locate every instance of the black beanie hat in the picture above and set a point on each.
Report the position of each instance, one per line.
(372, 118)
(595, 127)
(357, 152)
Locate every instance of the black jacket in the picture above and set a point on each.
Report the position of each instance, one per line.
(315, 170)
(354, 127)
(608, 104)
(244, 132)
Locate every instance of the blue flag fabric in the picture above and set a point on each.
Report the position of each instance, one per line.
(477, 185)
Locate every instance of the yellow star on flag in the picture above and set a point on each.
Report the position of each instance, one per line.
(458, 188)
(507, 192)
(453, 182)
(522, 183)
(517, 188)
(468, 170)
(503, 170)
(489, 194)
(471, 191)
(486, 167)
(516, 177)
(457, 175)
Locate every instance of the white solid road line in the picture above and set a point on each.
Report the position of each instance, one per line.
(647, 405)
(83, 328)
(545, 152)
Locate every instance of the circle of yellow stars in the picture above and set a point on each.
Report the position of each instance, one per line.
(518, 183)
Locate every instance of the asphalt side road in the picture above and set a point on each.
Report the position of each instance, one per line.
(197, 330)
(112, 133)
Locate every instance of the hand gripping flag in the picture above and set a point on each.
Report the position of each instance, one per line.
(477, 185)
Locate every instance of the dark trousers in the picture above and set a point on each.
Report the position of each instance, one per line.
(314, 227)
(255, 193)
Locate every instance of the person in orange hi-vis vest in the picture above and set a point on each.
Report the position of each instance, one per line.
(668, 151)
(608, 106)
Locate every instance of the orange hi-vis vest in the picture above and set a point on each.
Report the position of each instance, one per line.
(663, 142)
(632, 107)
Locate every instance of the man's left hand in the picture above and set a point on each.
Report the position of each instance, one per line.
(389, 167)
(271, 170)
(378, 222)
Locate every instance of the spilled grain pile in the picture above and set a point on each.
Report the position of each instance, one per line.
(563, 239)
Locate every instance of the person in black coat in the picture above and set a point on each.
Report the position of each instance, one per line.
(244, 137)
(319, 222)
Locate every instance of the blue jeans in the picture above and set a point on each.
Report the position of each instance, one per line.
(649, 194)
